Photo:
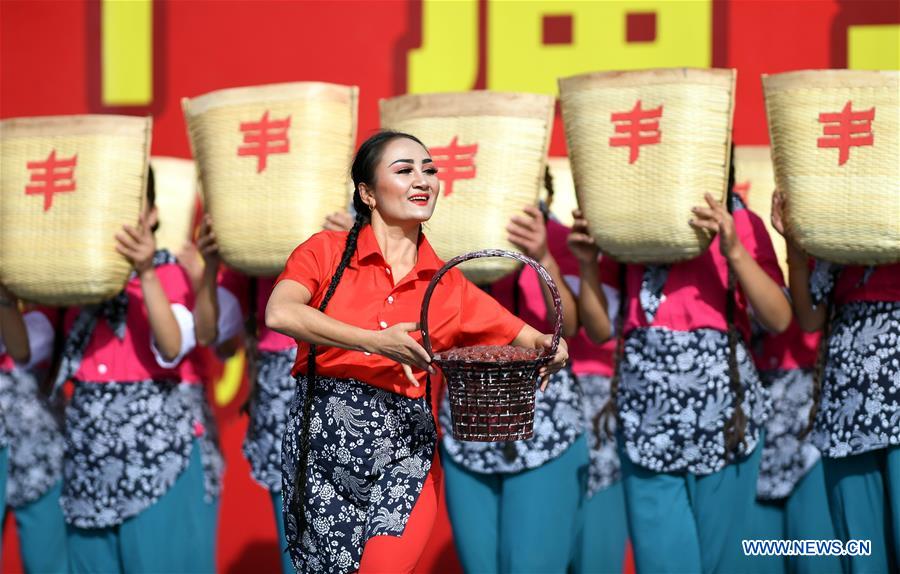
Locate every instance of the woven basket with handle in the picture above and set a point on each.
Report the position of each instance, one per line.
(490, 149)
(68, 184)
(176, 200)
(491, 396)
(645, 146)
(835, 146)
(273, 162)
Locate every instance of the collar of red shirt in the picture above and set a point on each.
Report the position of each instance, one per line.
(367, 247)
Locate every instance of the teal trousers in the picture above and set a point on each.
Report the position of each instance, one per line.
(600, 545)
(680, 522)
(166, 537)
(42, 534)
(519, 522)
(804, 515)
(864, 496)
(287, 567)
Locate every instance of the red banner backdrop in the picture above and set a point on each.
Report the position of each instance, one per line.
(142, 57)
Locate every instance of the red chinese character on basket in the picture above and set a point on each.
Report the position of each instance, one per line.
(851, 129)
(51, 176)
(641, 127)
(454, 162)
(264, 138)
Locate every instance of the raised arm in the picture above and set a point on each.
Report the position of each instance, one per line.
(529, 233)
(810, 318)
(771, 308)
(593, 308)
(206, 304)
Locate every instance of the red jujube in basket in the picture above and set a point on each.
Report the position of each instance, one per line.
(492, 388)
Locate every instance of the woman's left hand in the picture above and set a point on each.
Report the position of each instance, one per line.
(137, 244)
(529, 233)
(559, 360)
(718, 220)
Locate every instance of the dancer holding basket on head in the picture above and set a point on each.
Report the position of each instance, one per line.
(361, 479)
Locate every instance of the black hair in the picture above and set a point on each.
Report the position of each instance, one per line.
(821, 361)
(736, 426)
(362, 171)
(603, 420)
(151, 194)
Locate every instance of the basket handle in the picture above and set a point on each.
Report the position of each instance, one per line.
(544, 274)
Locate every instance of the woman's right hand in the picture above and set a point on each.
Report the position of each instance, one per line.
(778, 223)
(338, 221)
(396, 344)
(207, 244)
(581, 242)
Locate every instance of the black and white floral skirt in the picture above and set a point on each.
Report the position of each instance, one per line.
(127, 443)
(269, 408)
(675, 399)
(36, 445)
(786, 458)
(860, 409)
(370, 452)
(604, 470)
(558, 423)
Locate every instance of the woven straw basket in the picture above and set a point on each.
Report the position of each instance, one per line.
(842, 201)
(638, 198)
(273, 162)
(564, 200)
(68, 185)
(500, 142)
(175, 180)
(755, 181)
(491, 399)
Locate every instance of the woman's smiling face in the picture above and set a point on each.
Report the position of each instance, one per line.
(406, 184)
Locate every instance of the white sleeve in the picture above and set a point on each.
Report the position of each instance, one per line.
(574, 283)
(612, 306)
(231, 318)
(185, 320)
(40, 338)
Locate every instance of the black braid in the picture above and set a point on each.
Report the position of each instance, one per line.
(736, 426)
(295, 505)
(251, 348)
(821, 361)
(603, 420)
(548, 186)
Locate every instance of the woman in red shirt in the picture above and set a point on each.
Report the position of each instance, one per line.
(361, 481)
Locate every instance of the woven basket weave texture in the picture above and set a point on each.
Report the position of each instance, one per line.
(638, 198)
(59, 247)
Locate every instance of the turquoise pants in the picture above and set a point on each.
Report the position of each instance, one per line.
(286, 566)
(600, 546)
(4, 470)
(681, 522)
(864, 495)
(521, 522)
(42, 534)
(166, 537)
(803, 515)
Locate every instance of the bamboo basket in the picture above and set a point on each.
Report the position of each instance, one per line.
(638, 199)
(176, 200)
(564, 199)
(264, 204)
(59, 248)
(503, 137)
(842, 203)
(755, 182)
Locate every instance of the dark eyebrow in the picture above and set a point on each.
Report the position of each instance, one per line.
(424, 161)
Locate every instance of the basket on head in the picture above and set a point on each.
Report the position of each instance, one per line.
(564, 199)
(492, 388)
(645, 146)
(835, 146)
(490, 149)
(754, 180)
(175, 180)
(68, 185)
(273, 162)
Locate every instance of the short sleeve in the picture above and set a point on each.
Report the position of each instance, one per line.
(756, 240)
(310, 263)
(40, 337)
(176, 284)
(484, 321)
